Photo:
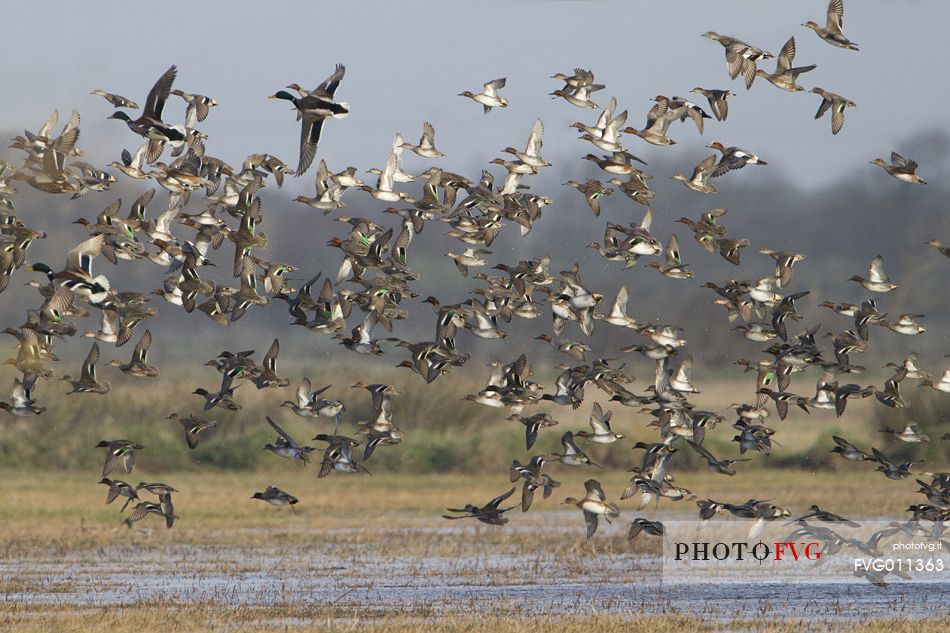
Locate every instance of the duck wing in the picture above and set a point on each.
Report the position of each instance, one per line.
(158, 95)
(140, 353)
(79, 259)
(281, 432)
(270, 358)
(491, 88)
(89, 365)
(494, 503)
(785, 57)
(595, 490)
(591, 519)
(310, 129)
(835, 17)
(876, 270)
(331, 83)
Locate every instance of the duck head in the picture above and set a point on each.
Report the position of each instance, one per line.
(282, 94)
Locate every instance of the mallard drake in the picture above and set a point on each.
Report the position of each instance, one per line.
(77, 276)
(277, 497)
(831, 32)
(836, 103)
(150, 125)
(87, 382)
(314, 108)
(594, 504)
(138, 366)
(785, 75)
(489, 513)
(489, 97)
(901, 168)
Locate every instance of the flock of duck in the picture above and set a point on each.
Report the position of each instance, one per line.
(375, 276)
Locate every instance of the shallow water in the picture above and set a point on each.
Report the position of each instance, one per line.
(373, 572)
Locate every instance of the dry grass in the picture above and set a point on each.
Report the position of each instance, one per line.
(176, 618)
(46, 508)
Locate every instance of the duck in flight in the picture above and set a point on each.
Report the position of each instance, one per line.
(315, 107)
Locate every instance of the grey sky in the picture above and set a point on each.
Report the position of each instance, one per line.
(406, 62)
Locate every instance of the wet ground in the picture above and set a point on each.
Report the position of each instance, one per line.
(447, 570)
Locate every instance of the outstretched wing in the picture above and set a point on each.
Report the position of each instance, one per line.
(158, 95)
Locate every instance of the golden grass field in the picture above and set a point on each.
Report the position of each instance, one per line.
(59, 508)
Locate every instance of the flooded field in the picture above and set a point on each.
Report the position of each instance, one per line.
(379, 557)
(375, 572)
